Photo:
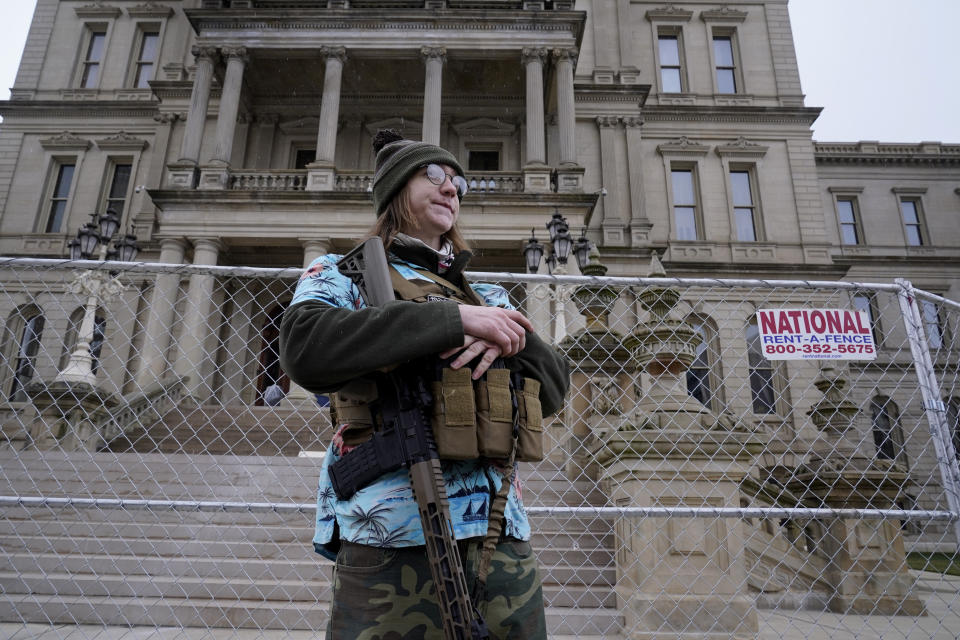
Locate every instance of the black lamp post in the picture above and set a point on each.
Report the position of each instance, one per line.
(561, 244)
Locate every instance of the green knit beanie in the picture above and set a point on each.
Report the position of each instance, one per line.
(398, 159)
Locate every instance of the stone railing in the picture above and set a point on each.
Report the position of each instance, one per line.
(354, 181)
(143, 408)
(495, 181)
(275, 180)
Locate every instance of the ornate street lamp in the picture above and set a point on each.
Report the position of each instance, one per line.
(98, 286)
(561, 243)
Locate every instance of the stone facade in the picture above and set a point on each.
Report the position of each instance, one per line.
(245, 128)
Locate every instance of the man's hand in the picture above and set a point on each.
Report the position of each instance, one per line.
(473, 347)
(505, 328)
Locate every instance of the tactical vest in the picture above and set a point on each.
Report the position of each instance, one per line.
(470, 418)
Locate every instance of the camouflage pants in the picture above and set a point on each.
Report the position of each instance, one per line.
(387, 594)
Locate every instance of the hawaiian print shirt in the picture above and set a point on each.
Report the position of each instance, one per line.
(384, 514)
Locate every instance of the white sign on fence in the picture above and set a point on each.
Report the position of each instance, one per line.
(815, 334)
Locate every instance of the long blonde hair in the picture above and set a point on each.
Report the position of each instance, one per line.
(398, 217)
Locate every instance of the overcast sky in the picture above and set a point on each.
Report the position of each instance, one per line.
(882, 69)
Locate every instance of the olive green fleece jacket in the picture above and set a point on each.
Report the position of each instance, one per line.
(323, 347)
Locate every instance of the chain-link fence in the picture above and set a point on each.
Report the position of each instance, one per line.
(734, 459)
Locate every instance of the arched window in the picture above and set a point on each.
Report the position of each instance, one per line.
(703, 376)
(887, 435)
(70, 338)
(762, 390)
(24, 331)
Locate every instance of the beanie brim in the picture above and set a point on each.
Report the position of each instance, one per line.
(398, 161)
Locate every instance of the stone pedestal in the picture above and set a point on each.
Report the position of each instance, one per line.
(867, 565)
(536, 178)
(677, 577)
(570, 179)
(213, 177)
(70, 415)
(182, 175)
(321, 176)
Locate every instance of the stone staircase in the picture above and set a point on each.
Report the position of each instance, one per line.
(233, 568)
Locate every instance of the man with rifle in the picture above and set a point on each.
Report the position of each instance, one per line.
(438, 387)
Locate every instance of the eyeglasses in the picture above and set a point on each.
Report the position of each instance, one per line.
(438, 176)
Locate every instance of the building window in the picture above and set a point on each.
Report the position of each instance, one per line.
(847, 215)
(119, 182)
(28, 329)
(912, 221)
(723, 60)
(303, 157)
(59, 196)
(744, 206)
(932, 323)
(702, 378)
(671, 67)
(147, 49)
(867, 303)
(762, 390)
(886, 429)
(483, 160)
(93, 58)
(683, 182)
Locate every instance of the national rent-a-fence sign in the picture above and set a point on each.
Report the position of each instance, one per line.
(815, 334)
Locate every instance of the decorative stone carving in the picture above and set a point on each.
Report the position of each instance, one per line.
(723, 14)
(97, 10)
(150, 10)
(683, 146)
(669, 12)
(122, 140)
(235, 52)
(66, 141)
(606, 122)
(531, 54)
(565, 54)
(742, 148)
(434, 52)
(202, 51)
(340, 53)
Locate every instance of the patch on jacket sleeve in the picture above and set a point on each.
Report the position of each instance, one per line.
(323, 282)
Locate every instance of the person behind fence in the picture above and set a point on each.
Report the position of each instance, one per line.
(490, 379)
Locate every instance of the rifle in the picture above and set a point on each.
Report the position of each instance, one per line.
(405, 439)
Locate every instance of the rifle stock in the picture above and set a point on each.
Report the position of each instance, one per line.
(406, 439)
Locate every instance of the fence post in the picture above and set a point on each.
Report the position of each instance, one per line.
(933, 405)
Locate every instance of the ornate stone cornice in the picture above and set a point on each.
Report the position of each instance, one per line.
(723, 14)
(122, 140)
(66, 141)
(682, 146)
(150, 10)
(97, 10)
(633, 93)
(340, 53)
(668, 12)
(742, 148)
(731, 114)
(58, 109)
(875, 153)
(533, 54)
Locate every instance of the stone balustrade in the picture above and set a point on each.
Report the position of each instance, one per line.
(291, 180)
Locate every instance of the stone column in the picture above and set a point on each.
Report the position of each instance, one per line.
(182, 174)
(156, 339)
(677, 578)
(570, 174)
(266, 130)
(192, 357)
(536, 175)
(320, 172)
(434, 57)
(866, 559)
(215, 174)
(640, 225)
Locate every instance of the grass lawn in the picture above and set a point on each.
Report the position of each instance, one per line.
(938, 562)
